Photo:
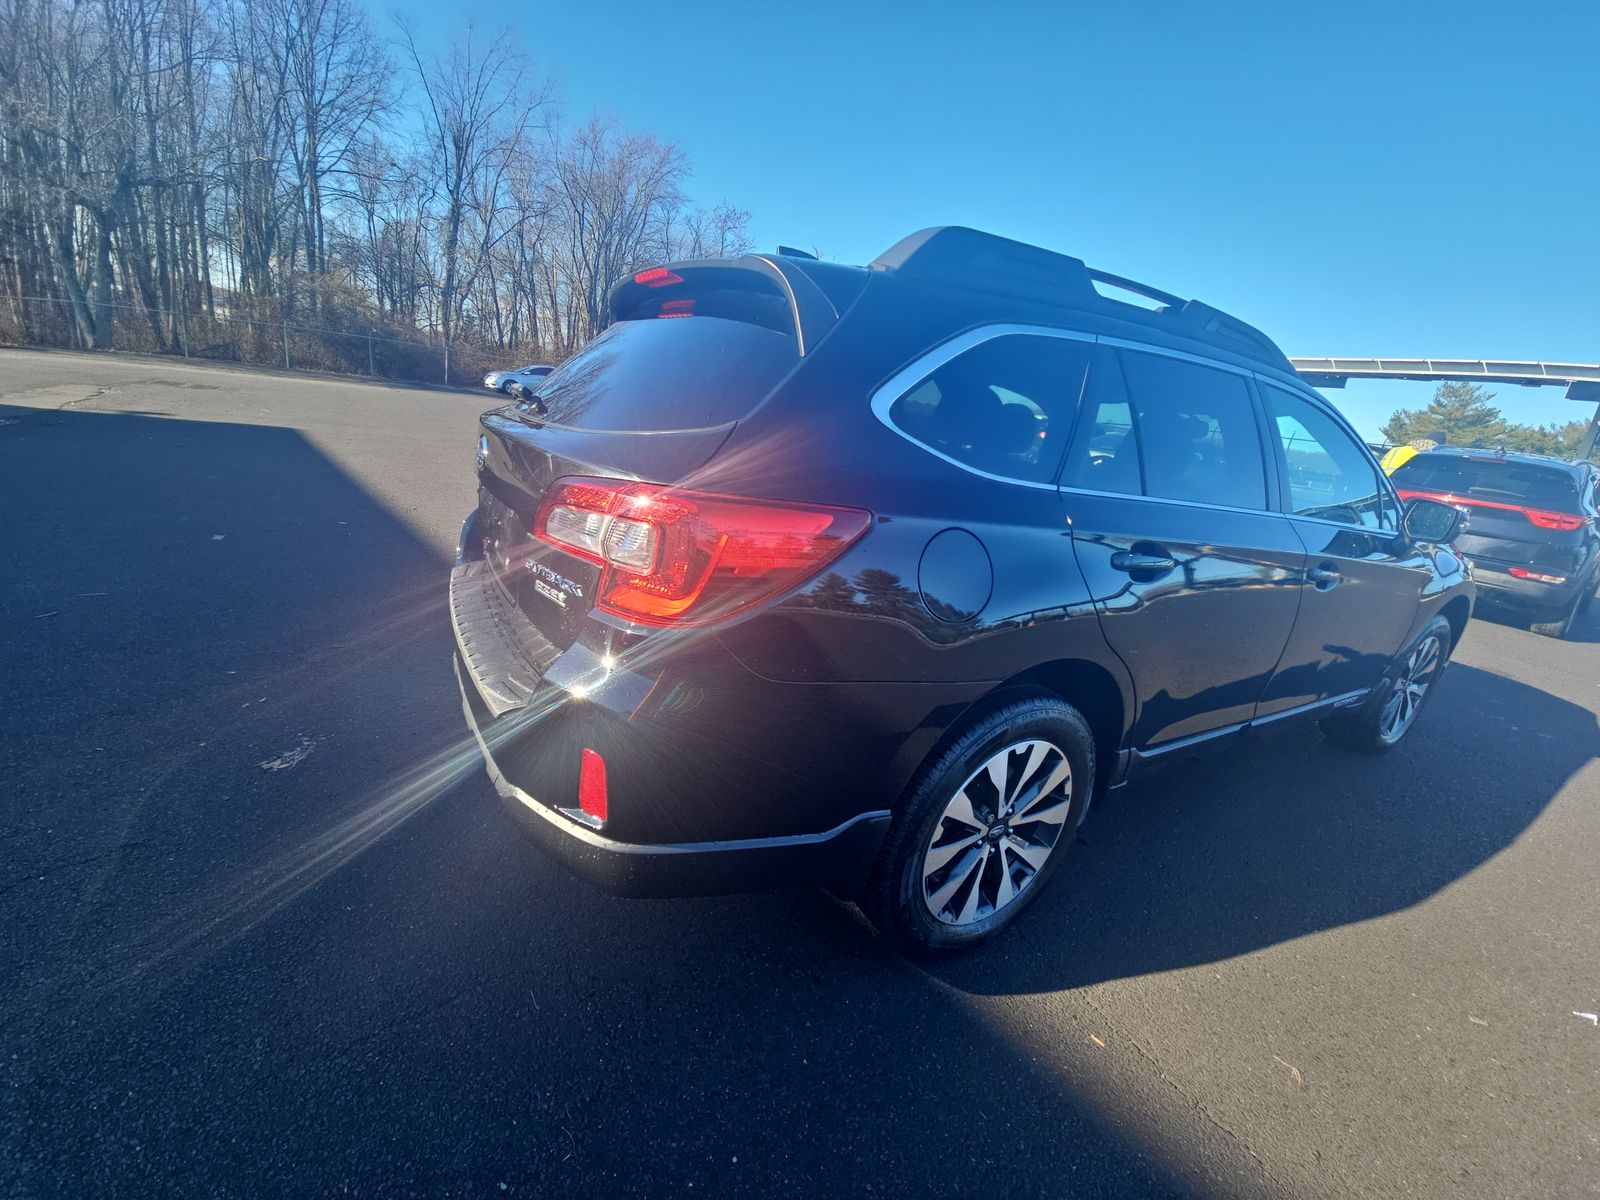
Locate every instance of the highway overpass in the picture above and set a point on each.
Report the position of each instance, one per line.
(1582, 380)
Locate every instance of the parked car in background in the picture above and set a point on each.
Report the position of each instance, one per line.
(509, 381)
(1531, 537)
(807, 574)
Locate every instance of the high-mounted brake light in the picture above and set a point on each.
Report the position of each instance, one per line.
(657, 277)
(1544, 518)
(671, 556)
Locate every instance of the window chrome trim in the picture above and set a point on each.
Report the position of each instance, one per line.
(918, 369)
(1066, 489)
(1181, 355)
(1387, 533)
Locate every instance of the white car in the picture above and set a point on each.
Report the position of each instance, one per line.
(507, 381)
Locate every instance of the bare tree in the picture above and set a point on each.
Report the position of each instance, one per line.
(230, 160)
(475, 113)
(614, 196)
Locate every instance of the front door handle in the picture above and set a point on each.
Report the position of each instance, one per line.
(1325, 578)
(1127, 560)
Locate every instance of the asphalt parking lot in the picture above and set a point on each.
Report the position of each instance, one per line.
(267, 930)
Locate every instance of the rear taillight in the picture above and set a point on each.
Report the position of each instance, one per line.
(1542, 517)
(671, 556)
(1555, 520)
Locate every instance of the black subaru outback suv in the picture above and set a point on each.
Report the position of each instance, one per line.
(1532, 537)
(872, 577)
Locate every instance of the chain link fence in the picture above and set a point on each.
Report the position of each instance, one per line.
(223, 336)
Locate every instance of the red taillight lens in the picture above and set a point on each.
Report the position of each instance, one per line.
(1555, 520)
(672, 556)
(1543, 518)
(592, 785)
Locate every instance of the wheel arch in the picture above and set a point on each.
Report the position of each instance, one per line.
(1458, 612)
(1091, 689)
(1104, 699)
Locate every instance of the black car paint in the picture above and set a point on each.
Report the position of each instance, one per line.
(738, 754)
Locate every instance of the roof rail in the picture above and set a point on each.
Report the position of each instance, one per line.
(970, 258)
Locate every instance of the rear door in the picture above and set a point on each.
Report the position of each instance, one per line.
(1195, 581)
(1364, 580)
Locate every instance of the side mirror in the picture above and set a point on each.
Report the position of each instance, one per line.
(1433, 522)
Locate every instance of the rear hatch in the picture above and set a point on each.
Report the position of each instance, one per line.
(693, 349)
(1521, 513)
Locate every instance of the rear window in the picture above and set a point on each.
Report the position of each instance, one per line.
(1491, 479)
(658, 374)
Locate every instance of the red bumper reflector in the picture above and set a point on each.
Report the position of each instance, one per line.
(592, 785)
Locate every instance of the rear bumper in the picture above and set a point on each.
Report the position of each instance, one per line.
(839, 858)
(715, 779)
(1497, 587)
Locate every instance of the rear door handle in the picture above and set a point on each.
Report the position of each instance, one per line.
(1127, 560)
(1325, 578)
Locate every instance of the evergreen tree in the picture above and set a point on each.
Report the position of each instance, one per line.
(1465, 412)
(1467, 415)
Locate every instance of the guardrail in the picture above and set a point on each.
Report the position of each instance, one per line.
(223, 336)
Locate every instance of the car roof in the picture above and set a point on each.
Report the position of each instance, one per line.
(1483, 454)
(995, 270)
(978, 262)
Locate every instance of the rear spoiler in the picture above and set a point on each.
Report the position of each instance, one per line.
(810, 309)
(969, 258)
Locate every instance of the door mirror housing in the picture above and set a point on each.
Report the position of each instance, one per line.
(1432, 521)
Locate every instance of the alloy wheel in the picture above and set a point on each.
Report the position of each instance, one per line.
(997, 832)
(1404, 702)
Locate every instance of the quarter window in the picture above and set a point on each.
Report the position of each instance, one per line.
(1005, 407)
(1330, 476)
(1197, 432)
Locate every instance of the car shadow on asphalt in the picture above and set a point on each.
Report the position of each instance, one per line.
(1290, 835)
(270, 930)
(352, 971)
(1585, 630)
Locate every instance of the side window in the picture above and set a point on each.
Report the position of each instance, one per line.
(1197, 432)
(1006, 406)
(1329, 475)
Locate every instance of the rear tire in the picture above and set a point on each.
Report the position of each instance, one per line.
(963, 857)
(1391, 709)
(1563, 622)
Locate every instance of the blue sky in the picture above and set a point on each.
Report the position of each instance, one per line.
(1395, 179)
